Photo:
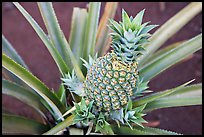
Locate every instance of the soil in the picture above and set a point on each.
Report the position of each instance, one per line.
(17, 30)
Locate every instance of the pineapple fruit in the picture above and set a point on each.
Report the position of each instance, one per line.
(111, 79)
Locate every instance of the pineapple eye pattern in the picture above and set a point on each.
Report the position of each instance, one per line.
(111, 86)
(117, 71)
(113, 80)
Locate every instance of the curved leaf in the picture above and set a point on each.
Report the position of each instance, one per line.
(61, 94)
(173, 102)
(186, 96)
(53, 28)
(76, 131)
(195, 89)
(102, 38)
(171, 27)
(34, 83)
(154, 96)
(8, 49)
(5, 110)
(60, 126)
(141, 131)
(24, 95)
(9, 76)
(56, 56)
(12, 124)
(58, 38)
(160, 53)
(77, 32)
(91, 29)
(172, 57)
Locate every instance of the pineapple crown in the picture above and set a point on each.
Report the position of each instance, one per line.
(129, 36)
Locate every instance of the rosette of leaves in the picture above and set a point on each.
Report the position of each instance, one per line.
(134, 115)
(102, 125)
(129, 116)
(83, 112)
(89, 36)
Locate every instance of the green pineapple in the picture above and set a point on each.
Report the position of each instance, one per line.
(111, 79)
(105, 74)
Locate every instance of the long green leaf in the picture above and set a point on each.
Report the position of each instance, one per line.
(5, 110)
(186, 96)
(67, 122)
(58, 37)
(9, 76)
(8, 49)
(173, 102)
(76, 131)
(195, 88)
(160, 53)
(91, 29)
(34, 83)
(171, 27)
(77, 33)
(172, 57)
(154, 96)
(12, 124)
(61, 94)
(56, 56)
(102, 37)
(24, 95)
(123, 130)
(53, 28)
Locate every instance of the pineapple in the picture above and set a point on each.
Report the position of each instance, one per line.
(111, 79)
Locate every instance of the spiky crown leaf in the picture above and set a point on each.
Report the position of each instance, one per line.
(129, 36)
(83, 112)
(73, 83)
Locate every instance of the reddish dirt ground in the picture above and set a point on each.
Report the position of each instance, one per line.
(17, 30)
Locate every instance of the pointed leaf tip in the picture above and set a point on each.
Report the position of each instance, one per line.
(188, 82)
(138, 18)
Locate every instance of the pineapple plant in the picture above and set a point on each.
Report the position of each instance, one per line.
(111, 79)
(106, 94)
